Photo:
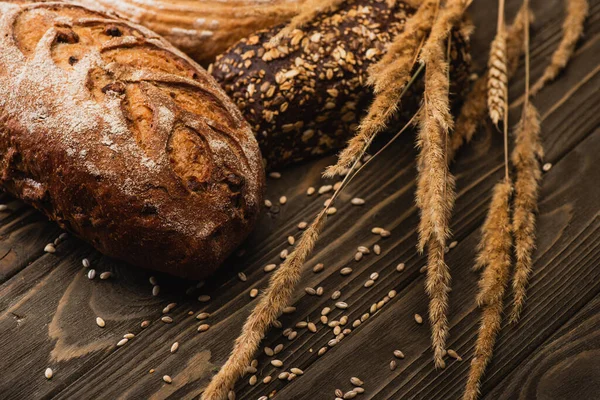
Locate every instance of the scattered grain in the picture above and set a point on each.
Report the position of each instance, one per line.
(269, 267)
(336, 295)
(398, 354)
(167, 379)
(310, 191)
(91, 274)
(203, 327)
(242, 276)
(318, 268)
(50, 248)
(204, 298)
(393, 365)
(341, 305)
(275, 175)
(331, 210)
(174, 347)
(155, 290)
(302, 225)
(100, 322)
(122, 342)
(253, 292)
(454, 355)
(268, 203)
(167, 320)
(48, 373)
(105, 275)
(145, 324)
(400, 267)
(377, 249)
(418, 319)
(547, 167)
(357, 201)
(85, 262)
(347, 270)
(282, 200)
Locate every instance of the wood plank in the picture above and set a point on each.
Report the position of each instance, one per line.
(52, 296)
(565, 278)
(564, 367)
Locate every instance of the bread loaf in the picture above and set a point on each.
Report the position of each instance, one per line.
(306, 96)
(122, 139)
(203, 28)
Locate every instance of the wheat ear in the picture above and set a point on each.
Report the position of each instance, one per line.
(401, 54)
(494, 258)
(269, 307)
(309, 11)
(576, 11)
(497, 75)
(385, 104)
(474, 108)
(525, 157)
(435, 184)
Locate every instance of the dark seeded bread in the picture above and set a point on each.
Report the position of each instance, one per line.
(123, 140)
(306, 96)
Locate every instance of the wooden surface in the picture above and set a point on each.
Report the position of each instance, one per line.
(48, 306)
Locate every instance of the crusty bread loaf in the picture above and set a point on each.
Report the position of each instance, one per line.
(122, 139)
(306, 96)
(203, 28)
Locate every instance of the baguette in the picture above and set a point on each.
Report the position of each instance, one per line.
(306, 96)
(202, 28)
(123, 140)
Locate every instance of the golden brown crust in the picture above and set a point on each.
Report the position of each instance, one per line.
(202, 28)
(306, 96)
(122, 139)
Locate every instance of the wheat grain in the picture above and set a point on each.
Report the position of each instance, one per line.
(576, 11)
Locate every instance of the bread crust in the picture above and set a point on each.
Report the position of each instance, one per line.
(306, 96)
(123, 140)
(202, 28)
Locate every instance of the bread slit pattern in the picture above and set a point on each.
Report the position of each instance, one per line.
(122, 139)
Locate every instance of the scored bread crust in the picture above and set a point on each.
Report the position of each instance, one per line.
(122, 139)
(203, 28)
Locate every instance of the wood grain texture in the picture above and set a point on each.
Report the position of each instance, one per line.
(48, 306)
(564, 367)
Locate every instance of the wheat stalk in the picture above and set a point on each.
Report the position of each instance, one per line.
(576, 11)
(494, 258)
(474, 107)
(525, 157)
(497, 71)
(399, 59)
(309, 11)
(435, 184)
(385, 104)
(269, 307)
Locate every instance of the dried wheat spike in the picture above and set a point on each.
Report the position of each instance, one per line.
(269, 307)
(399, 59)
(497, 78)
(576, 11)
(494, 257)
(525, 157)
(309, 10)
(474, 107)
(435, 184)
(385, 104)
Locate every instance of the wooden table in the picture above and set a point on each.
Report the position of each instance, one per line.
(48, 306)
